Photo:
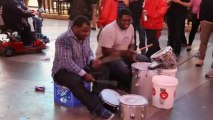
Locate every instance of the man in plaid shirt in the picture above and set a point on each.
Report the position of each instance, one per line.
(72, 55)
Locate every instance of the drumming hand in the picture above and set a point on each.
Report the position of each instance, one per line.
(88, 77)
(96, 64)
(131, 55)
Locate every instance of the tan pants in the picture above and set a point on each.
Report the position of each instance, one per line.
(206, 30)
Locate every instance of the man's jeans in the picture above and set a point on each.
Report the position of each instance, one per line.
(76, 85)
(121, 71)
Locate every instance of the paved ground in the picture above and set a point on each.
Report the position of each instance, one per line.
(21, 73)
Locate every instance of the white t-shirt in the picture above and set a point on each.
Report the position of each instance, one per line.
(112, 36)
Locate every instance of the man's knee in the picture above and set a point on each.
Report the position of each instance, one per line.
(142, 58)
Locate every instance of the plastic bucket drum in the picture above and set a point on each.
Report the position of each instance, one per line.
(169, 72)
(133, 107)
(110, 99)
(142, 79)
(164, 88)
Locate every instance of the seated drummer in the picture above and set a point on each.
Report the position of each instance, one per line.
(72, 55)
(117, 39)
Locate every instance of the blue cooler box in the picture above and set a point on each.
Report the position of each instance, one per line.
(63, 96)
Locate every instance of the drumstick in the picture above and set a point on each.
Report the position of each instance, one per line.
(112, 83)
(150, 45)
(107, 82)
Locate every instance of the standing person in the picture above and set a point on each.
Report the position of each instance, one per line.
(79, 7)
(195, 6)
(136, 7)
(40, 4)
(117, 38)
(206, 17)
(106, 15)
(152, 20)
(94, 14)
(72, 56)
(175, 19)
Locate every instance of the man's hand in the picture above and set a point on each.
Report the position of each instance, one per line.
(131, 55)
(96, 64)
(34, 12)
(88, 77)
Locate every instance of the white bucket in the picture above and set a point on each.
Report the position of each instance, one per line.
(142, 79)
(169, 72)
(164, 88)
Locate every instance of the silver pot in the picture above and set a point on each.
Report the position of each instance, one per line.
(133, 107)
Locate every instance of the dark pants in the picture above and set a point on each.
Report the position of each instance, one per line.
(175, 23)
(141, 32)
(120, 70)
(195, 25)
(37, 24)
(152, 38)
(75, 83)
(26, 35)
(39, 4)
(183, 36)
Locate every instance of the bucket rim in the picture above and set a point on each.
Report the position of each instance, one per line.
(165, 80)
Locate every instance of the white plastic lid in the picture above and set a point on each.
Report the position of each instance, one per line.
(110, 96)
(133, 99)
(160, 52)
(164, 80)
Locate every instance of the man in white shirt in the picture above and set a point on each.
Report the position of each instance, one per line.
(117, 38)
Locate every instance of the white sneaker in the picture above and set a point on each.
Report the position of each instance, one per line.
(209, 74)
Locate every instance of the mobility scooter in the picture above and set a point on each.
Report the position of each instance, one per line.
(10, 44)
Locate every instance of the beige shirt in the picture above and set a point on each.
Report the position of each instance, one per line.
(112, 36)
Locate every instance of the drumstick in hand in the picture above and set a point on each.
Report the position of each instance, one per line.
(143, 48)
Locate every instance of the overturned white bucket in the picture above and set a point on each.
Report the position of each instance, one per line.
(164, 88)
(169, 72)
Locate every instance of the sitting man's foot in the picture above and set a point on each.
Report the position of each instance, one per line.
(108, 116)
(209, 74)
(105, 114)
(199, 63)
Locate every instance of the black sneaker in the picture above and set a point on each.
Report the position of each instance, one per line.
(106, 114)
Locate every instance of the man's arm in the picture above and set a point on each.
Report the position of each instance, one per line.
(185, 4)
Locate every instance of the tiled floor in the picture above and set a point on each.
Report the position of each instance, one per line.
(21, 73)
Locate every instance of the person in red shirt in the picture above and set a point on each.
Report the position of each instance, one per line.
(152, 20)
(107, 12)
